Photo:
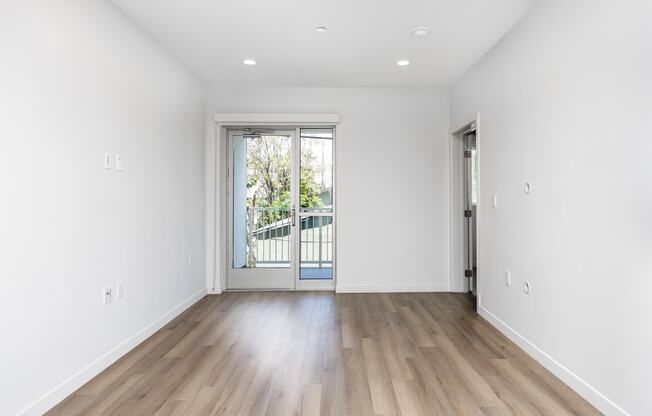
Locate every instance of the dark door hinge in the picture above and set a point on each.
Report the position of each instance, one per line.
(467, 154)
(468, 273)
(468, 213)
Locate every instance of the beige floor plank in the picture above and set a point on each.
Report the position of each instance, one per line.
(326, 354)
(380, 384)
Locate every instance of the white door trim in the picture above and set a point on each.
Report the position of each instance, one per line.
(459, 283)
(275, 119)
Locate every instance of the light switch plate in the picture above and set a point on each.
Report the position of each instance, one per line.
(107, 294)
(120, 289)
(119, 162)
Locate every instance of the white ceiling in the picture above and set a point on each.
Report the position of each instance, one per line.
(364, 40)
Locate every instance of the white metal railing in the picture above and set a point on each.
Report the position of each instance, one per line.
(316, 240)
(269, 238)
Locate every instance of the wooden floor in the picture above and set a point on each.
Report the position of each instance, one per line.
(279, 353)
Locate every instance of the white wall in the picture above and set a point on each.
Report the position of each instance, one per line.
(77, 80)
(392, 179)
(565, 101)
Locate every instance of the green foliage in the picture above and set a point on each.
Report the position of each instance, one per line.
(269, 178)
(268, 166)
(309, 197)
(269, 174)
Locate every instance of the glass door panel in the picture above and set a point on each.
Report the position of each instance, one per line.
(316, 247)
(281, 209)
(316, 186)
(262, 210)
(316, 238)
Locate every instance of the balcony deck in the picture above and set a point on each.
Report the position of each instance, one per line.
(306, 273)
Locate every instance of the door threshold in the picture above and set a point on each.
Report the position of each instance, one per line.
(281, 290)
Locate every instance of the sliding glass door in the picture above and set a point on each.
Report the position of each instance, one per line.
(281, 209)
(316, 240)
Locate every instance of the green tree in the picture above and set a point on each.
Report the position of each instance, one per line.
(308, 190)
(268, 165)
(269, 169)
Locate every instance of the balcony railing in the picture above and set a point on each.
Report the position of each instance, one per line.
(316, 241)
(268, 236)
(269, 242)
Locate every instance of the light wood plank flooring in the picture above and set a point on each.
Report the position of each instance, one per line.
(281, 353)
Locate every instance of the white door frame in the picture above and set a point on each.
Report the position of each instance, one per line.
(458, 282)
(215, 201)
(281, 278)
(316, 284)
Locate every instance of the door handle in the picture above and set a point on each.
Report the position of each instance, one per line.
(294, 217)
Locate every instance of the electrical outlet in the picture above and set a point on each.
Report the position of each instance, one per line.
(406, 252)
(107, 294)
(120, 289)
(508, 278)
(107, 161)
(494, 201)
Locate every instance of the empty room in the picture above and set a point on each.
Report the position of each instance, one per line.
(325, 208)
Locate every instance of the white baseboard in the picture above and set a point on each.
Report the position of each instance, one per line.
(63, 390)
(589, 393)
(391, 288)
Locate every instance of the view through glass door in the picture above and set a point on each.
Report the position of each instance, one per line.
(316, 213)
(281, 203)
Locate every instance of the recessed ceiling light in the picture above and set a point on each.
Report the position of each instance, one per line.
(402, 62)
(249, 62)
(321, 29)
(420, 32)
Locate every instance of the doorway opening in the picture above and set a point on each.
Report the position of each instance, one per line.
(470, 156)
(464, 210)
(281, 209)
